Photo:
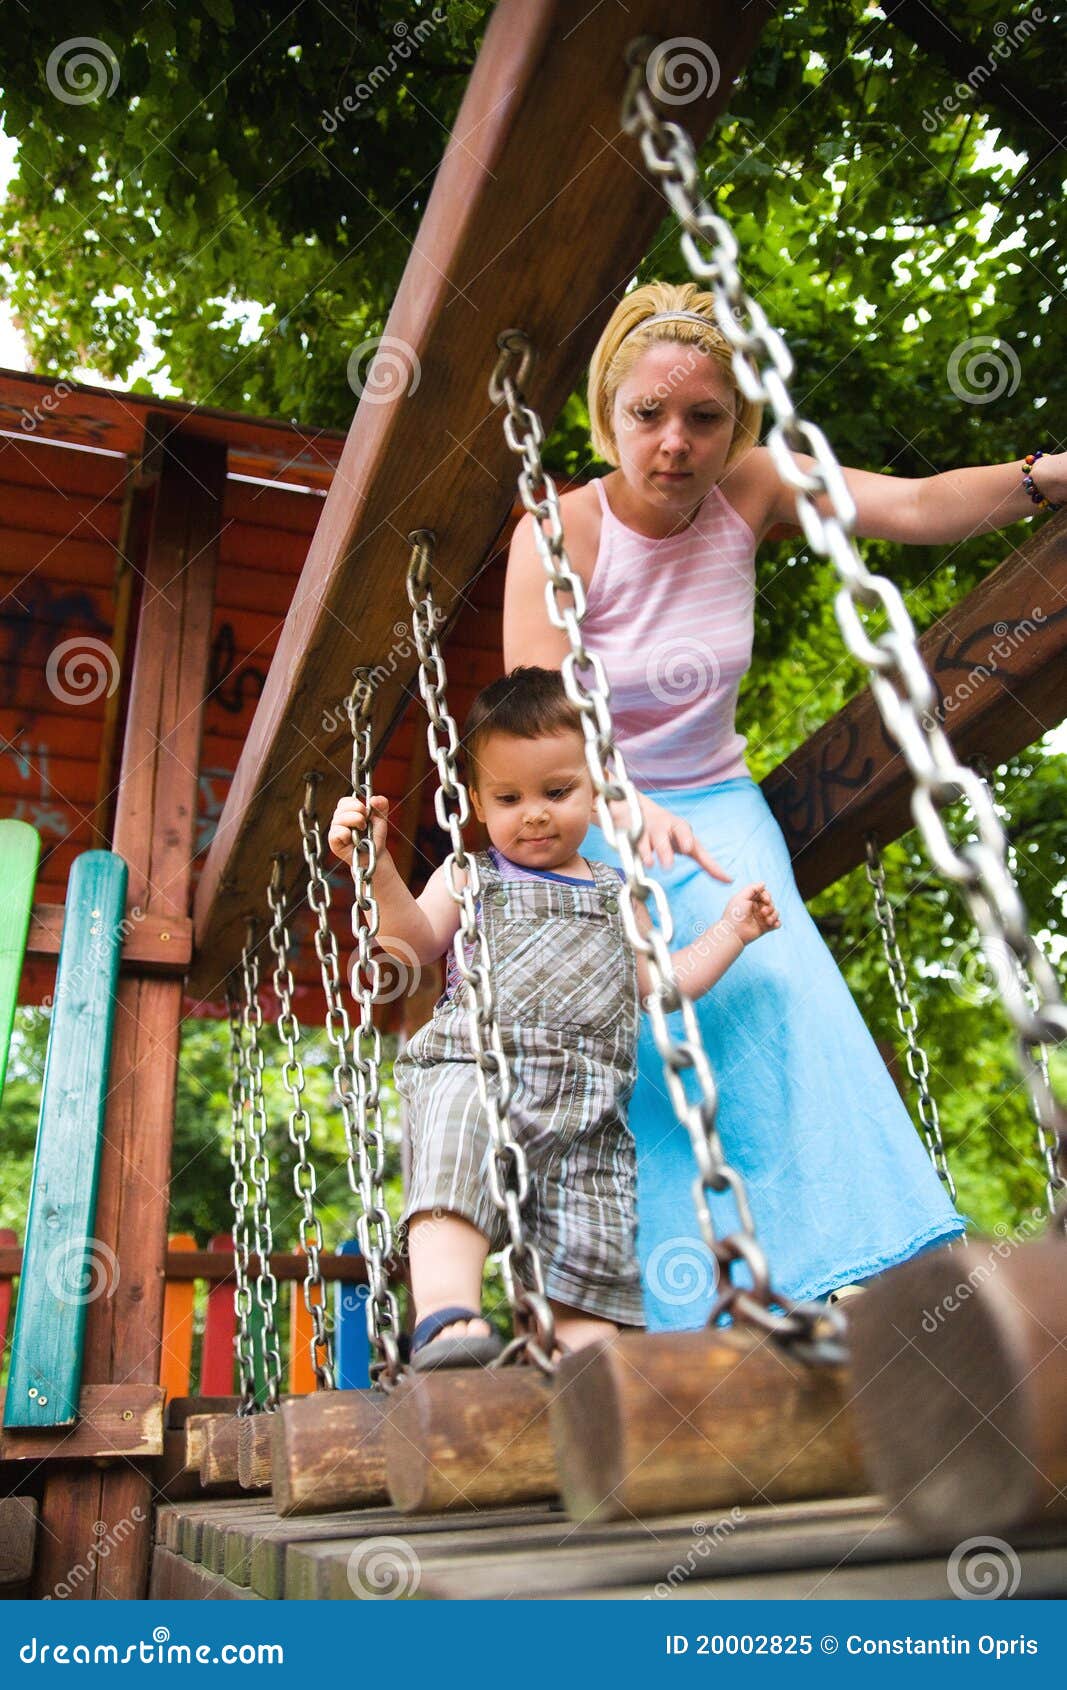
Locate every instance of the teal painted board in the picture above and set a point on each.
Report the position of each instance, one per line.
(64, 1267)
(20, 847)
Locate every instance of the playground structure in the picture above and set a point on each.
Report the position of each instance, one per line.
(768, 1419)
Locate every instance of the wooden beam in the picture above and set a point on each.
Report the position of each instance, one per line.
(155, 944)
(999, 661)
(471, 1438)
(124, 1420)
(154, 832)
(539, 215)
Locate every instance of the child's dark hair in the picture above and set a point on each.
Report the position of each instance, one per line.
(528, 703)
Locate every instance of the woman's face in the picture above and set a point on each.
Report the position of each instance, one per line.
(674, 420)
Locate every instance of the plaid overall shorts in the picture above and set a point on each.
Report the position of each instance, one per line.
(566, 990)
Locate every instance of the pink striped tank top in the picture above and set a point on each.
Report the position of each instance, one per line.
(672, 621)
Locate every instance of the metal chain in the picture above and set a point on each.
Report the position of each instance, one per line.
(813, 1329)
(259, 1172)
(242, 1297)
(304, 1181)
(356, 1083)
(1046, 1143)
(907, 1019)
(903, 690)
(508, 1175)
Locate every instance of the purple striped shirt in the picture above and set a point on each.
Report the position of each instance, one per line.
(672, 621)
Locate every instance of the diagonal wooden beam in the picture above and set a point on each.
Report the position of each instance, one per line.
(539, 215)
(999, 661)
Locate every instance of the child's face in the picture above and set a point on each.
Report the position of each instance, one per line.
(535, 797)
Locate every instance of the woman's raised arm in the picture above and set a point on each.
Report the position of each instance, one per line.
(936, 510)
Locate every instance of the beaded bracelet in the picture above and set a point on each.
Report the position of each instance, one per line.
(1028, 482)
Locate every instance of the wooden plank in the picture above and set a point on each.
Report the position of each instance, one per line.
(20, 848)
(173, 1480)
(176, 1580)
(116, 1420)
(216, 1265)
(535, 155)
(18, 1537)
(176, 1349)
(97, 416)
(155, 826)
(876, 1558)
(220, 1329)
(998, 659)
(66, 1266)
(156, 944)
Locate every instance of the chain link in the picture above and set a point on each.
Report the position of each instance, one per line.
(521, 1268)
(304, 1181)
(1046, 1143)
(907, 1020)
(355, 1072)
(899, 680)
(242, 1297)
(259, 1173)
(814, 1331)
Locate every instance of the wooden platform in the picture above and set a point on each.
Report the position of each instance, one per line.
(241, 1550)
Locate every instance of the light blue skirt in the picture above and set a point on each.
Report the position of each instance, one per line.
(838, 1178)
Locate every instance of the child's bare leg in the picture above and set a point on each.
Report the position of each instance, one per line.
(575, 1328)
(447, 1256)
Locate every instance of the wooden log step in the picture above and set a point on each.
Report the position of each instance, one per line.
(960, 1366)
(176, 1580)
(218, 1464)
(470, 1438)
(254, 1445)
(650, 1424)
(328, 1452)
(175, 1481)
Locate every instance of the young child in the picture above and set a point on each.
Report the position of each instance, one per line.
(567, 987)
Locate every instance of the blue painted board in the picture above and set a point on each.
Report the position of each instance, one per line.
(351, 1354)
(64, 1267)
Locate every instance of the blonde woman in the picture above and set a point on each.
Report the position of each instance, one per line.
(839, 1182)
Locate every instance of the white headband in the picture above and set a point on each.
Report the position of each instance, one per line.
(670, 317)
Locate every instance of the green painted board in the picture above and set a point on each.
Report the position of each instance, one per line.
(63, 1266)
(20, 847)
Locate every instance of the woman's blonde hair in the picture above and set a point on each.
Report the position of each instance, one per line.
(624, 340)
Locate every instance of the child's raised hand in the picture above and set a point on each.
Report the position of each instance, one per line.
(751, 913)
(350, 818)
